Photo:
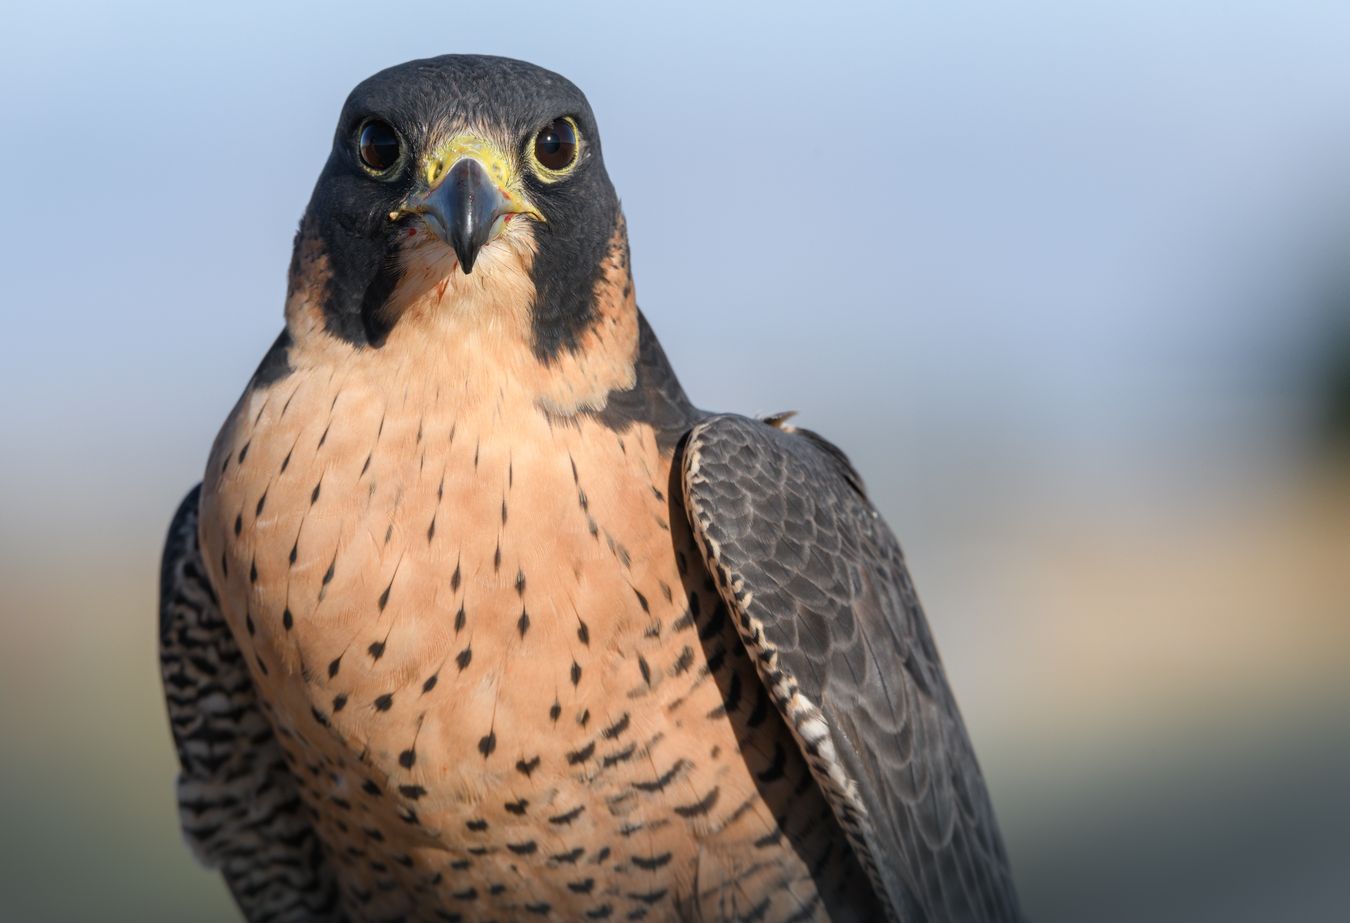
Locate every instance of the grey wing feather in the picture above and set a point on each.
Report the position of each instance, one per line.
(824, 602)
(239, 805)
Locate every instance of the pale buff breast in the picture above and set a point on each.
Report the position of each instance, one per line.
(492, 655)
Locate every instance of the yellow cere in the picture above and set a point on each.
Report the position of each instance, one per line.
(480, 149)
(498, 165)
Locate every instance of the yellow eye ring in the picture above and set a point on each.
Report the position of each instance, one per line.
(556, 149)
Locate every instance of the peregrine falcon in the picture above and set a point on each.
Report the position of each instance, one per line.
(474, 616)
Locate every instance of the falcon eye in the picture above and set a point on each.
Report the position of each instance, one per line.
(555, 147)
(378, 145)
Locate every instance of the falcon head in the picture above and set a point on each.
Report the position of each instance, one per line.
(476, 180)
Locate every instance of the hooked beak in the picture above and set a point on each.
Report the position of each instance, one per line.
(464, 209)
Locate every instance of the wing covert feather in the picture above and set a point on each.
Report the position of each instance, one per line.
(824, 602)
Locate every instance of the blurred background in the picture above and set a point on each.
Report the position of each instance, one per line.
(1080, 313)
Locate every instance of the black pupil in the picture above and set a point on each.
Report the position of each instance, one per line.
(556, 146)
(378, 145)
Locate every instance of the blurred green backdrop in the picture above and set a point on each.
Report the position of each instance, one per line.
(1082, 318)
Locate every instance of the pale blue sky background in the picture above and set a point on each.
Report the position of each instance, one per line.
(1075, 229)
(1051, 273)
